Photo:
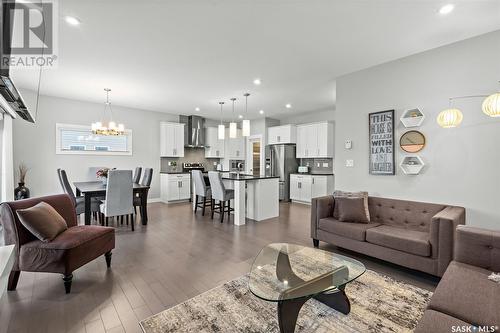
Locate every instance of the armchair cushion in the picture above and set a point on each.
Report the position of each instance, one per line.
(43, 221)
(351, 210)
(409, 241)
(71, 249)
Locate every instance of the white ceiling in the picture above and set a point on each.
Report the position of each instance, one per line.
(173, 56)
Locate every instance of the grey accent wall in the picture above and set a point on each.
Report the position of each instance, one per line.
(34, 144)
(462, 163)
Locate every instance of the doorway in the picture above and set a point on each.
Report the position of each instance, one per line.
(254, 155)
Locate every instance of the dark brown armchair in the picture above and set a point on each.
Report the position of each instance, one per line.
(70, 250)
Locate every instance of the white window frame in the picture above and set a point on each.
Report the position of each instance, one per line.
(60, 151)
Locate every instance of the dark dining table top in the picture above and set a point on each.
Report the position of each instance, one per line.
(98, 186)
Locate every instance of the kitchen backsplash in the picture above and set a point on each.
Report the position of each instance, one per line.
(191, 155)
(318, 165)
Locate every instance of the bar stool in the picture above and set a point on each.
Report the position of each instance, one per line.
(201, 190)
(220, 193)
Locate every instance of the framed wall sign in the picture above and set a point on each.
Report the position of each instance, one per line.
(381, 136)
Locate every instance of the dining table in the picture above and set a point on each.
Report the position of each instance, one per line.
(93, 189)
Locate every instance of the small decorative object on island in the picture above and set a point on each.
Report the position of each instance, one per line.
(381, 136)
(22, 192)
(102, 174)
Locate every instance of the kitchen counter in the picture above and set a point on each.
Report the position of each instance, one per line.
(243, 177)
(312, 174)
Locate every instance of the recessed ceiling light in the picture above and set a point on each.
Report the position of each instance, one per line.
(446, 9)
(197, 109)
(257, 82)
(72, 20)
(261, 111)
(288, 106)
(240, 116)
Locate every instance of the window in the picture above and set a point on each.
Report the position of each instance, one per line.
(78, 139)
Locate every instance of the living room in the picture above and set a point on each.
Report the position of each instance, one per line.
(386, 221)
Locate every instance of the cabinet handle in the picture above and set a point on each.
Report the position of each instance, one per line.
(313, 181)
(300, 185)
(279, 138)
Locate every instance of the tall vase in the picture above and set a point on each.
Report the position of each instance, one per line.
(21, 192)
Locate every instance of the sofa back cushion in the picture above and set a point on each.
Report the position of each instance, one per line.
(410, 215)
(351, 209)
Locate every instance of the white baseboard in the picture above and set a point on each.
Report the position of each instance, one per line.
(151, 200)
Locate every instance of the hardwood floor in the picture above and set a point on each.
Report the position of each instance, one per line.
(177, 256)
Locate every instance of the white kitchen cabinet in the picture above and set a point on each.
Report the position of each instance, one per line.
(175, 187)
(305, 187)
(171, 139)
(235, 148)
(282, 134)
(215, 147)
(315, 140)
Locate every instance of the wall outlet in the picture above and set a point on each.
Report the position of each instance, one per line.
(349, 163)
(348, 144)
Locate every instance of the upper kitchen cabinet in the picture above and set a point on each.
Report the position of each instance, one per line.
(214, 146)
(171, 139)
(282, 134)
(235, 148)
(315, 140)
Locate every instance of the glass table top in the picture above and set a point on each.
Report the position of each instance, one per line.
(284, 271)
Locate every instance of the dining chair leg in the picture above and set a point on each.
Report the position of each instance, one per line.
(132, 221)
(204, 204)
(99, 215)
(121, 220)
(135, 210)
(107, 221)
(229, 211)
(195, 203)
(222, 204)
(127, 218)
(212, 203)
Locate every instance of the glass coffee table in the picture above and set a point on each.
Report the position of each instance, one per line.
(290, 274)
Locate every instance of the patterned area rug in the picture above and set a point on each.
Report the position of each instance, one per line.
(378, 304)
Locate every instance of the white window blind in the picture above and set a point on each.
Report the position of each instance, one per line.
(78, 139)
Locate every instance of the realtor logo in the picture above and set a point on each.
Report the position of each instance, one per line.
(29, 36)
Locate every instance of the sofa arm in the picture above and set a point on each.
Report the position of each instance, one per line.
(321, 207)
(442, 235)
(478, 247)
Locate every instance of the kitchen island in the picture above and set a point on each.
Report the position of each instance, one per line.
(255, 197)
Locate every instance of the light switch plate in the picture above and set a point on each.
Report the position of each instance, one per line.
(349, 163)
(348, 144)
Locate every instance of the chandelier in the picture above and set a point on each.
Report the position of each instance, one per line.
(100, 128)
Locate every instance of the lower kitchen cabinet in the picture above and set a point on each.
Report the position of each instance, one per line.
(305, 187)
(175, 186)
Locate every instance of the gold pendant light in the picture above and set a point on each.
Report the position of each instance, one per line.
(100, 128)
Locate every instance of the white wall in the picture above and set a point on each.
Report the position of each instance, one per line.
(309, 117)
(34, 144)
(462, 163)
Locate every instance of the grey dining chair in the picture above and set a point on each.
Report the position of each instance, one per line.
(220, 193)
(146, 181)
(201, 190)
(119, 197)
(137, 175)
(79, 202)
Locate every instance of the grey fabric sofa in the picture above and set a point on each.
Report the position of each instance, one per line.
(465, 296)
(416, 235)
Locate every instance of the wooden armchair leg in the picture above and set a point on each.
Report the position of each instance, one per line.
(107, 255)
(68, 279)
(13, 279)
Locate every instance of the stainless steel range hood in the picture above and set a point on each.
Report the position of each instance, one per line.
(194, 131)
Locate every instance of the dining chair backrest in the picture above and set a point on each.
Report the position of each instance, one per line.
(119, 193)
(137, 175)
(148, 176)
(66, 186)
(216, 185)
(200, 188)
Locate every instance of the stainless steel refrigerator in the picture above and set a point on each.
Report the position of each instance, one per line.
(281, 162)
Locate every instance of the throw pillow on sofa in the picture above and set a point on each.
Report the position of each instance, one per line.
(343, 194)
(43, 221)
(351, 210)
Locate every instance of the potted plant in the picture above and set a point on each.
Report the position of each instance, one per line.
(102, 174)
(22, 192)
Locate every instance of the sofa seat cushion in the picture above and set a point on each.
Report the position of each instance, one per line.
(466, 293)
(410, 241)
(69, 250)
(350, 230)
(438, 322)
